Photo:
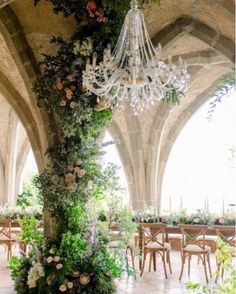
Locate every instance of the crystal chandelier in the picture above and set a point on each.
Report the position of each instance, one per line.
(134, 72)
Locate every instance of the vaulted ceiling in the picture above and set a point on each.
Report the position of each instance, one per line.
(201, 31)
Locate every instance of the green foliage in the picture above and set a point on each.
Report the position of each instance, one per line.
(173, 97)
(220, 92)
(30, 197)
(15, 265)
(228, 284)
(30, 231)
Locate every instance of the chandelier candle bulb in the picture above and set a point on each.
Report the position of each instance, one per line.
(94, 59)
(135, 71)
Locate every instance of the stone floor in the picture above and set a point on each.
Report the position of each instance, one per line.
(153, 282)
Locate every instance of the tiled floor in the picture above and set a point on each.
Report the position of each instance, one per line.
(149, 283)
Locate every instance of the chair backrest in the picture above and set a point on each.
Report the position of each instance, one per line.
(191, 234)
(153, 233)
(5, 228)
(227, 234)
(115, 232)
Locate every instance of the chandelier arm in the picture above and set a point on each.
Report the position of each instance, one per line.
(152, 50)
(143, 46)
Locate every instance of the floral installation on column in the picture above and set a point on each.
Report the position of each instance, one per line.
(77, 259)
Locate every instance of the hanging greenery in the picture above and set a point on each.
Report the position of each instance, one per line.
(220, 92)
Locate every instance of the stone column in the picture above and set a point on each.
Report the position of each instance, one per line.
(21, 159)
(2, 182)
(10, 167)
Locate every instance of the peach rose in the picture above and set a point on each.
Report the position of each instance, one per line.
(56, 258)
(63, 288)
(59, 85)
(70, 285)
(62, 103)
(84, 279)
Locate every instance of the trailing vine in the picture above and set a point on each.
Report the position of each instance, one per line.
(219, 93)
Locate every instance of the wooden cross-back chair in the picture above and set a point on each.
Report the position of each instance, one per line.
(116, 240)
(228, 235)
(6, 235)
(153, 241)
(191, 245)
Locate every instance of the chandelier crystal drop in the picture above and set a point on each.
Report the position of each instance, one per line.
(134, 72)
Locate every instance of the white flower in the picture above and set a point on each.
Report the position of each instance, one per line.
(36, 272)
(196, 220)
(221, 221)
(84, 48)
(51, 251)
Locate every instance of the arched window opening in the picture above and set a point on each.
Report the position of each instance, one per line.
(29, 169)
(15, 155)
(112, 156)
(201, 168)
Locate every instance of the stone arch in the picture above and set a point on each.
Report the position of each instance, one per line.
(200, 30)
(23, 112)
(40, 132)
(123, 152)
(175, 131)
(210, 36)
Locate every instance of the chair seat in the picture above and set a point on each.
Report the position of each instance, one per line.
(155, 245)
(12, 239)
(232, 250)
(208, 238)
(175, 236)
(196, 248)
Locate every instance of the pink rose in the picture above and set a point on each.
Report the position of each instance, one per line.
(49, 259)
(70, 285)
(59, 266)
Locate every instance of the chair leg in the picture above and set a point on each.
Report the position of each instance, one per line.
(189, 259)
(131, 251)
(164, 263)
(182, 266)
(143, 263)
(222, 273)
(126, 259)
(205, 269)
(209, 264)
(218, 272)
(150, 260)
(168, 260)
(154, 261)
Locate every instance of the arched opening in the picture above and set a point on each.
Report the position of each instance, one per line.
(201, 167)
(16, 154)
(112, 156)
